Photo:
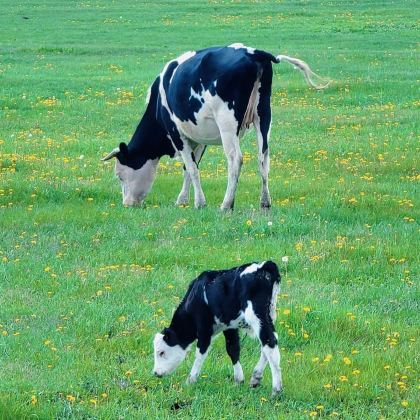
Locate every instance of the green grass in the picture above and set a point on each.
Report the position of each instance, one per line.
(86, 283)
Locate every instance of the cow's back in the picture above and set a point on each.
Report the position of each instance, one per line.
(218, 78)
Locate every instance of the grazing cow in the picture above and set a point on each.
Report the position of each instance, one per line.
(203, 98)
(216, 301)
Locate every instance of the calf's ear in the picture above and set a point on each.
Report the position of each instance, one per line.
(169, 336)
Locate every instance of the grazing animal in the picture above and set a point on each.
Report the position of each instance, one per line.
(201, 98)
(226, 300)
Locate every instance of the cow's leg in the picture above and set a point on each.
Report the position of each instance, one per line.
(184, 195)
(234, 160)
(233, 350)
(192, 169)
(203, 346)
(258, 372)
(262, 123)
(263, 161)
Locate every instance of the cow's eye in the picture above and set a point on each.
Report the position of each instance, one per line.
(161, 353)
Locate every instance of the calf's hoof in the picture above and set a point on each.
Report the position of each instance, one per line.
(276, 391)
(255, 381)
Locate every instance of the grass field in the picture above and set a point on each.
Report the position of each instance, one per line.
(85, 283)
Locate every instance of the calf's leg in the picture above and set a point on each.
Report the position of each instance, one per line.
(268, 339)
(233, 350)
(203, 346)
(258, 372)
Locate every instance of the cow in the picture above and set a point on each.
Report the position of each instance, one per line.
(224, 301)
(205, 97)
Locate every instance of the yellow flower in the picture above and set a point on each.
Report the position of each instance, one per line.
(346, 361)
(313, 414)
(248, 222)
(404, 403)
(327, 386)
(286, 312)
(306, 309)
(34, 400)
(343, 378)
(71, 398)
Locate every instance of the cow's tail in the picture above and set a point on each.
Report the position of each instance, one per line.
(310, 76)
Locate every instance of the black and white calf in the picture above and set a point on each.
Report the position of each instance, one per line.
(201, 98)
(216, 301)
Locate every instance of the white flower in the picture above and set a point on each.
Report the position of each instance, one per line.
(285, 259)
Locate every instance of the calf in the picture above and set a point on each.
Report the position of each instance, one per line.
(226, 300)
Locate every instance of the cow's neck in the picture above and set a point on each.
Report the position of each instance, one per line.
(184, 327)
(150, 140)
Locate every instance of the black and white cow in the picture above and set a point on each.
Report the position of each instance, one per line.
(216, 301)
(203, 98)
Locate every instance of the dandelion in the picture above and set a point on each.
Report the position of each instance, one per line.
(404, 403)
(248, 222)
(306, 309)
(346, 361)
(286, 312)
(327, 386)
(34, 400)
(71, 398)
(328, 358)
(285, 259)
(343, 378)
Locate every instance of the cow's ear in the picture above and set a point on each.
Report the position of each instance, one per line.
(123, 149)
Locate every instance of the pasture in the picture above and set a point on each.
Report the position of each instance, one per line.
(86, 283)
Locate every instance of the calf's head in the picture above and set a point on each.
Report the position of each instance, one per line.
(135, 172)
(167, 352)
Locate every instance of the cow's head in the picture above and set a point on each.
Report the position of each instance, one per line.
(168, 352)
(135, 172)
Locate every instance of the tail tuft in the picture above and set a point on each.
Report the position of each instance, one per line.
(306, 70)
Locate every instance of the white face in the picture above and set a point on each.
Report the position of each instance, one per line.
(135, 183)
(167, 358)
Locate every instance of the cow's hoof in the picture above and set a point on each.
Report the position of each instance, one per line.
(226, 207)
(200, 205)
(265, 206)
(191, 380)
(182, 202)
